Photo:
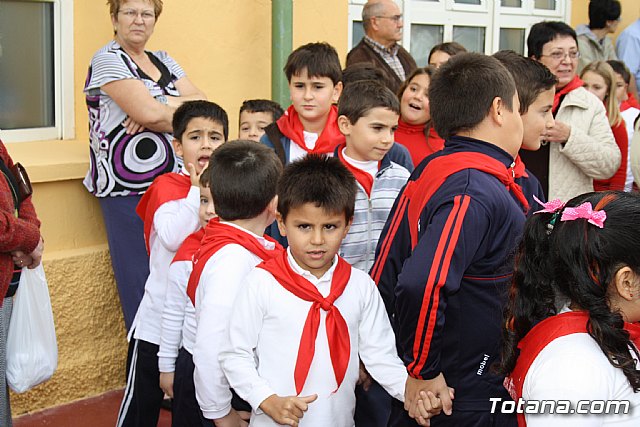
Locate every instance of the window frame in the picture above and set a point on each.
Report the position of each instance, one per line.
(63, 77)
(489, 14)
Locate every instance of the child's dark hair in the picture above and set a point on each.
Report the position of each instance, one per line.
(242, 176)
(362, 71)
(358, 98)
(531, 77)
(465, 77)
(619, 67)
(576, 261)
(319, 59)
(601, 11)
(262, 106)
(544, 32)
(450, 48)
(318, 179)
(205, 109)
(205, 177)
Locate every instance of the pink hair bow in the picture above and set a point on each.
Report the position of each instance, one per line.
(585, 211)
(550, 207)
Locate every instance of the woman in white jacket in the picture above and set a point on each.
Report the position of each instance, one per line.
(580, 146)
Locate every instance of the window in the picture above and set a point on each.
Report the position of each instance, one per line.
(479, 25)
(35, 47)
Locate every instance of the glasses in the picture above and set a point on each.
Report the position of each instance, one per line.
(394, 18)
(560, 55)
(131, 14)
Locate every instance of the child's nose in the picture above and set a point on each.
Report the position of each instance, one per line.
(317, 237)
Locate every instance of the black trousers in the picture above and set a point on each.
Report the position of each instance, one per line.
(143, 396)
(185, 409)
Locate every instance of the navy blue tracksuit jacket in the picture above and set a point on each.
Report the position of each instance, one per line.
(445, 296)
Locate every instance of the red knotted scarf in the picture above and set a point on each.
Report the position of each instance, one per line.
(365, 179)
(337, 330)
(291, 127)
(572, 85)
(165, 188)
(216, 236)
(540, 336)
(189, 247)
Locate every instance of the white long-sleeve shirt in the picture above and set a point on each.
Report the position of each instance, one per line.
(219, 283)
(264, 335)
(178, 317)
(173, 222)
(574, 368)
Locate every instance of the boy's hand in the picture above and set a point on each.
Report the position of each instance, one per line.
(166, 383)
(364, 378)
(195, 176)
(428, 406)
(437, 386)
(232, 419)
(286, 410)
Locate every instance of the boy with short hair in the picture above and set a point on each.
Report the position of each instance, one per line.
(442, 260)
(255, 116)
(536, 88)
(169, 209)
(302, 318)
(310, 124)
(244, 195)
(175, 358)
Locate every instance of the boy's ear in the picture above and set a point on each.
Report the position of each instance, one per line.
(337, 91)
(344, 124)
(177, 147)
(281, 227)
(497, 110)
(346, 229)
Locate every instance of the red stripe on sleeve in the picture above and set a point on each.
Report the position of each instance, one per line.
(440, 263)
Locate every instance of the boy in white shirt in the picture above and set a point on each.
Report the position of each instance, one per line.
(169, 209)
(175, 358)
(303, 319)
(244, 176)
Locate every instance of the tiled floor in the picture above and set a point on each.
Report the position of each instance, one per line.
(100, 411)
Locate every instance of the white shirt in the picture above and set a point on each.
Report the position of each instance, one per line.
(173, 222)
(369, 166)
(264, 336)
(219, 283)
(178, 317)
(574, 368)
(296, 152)
(629, 115)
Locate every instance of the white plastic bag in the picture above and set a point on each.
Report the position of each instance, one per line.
(32, 351)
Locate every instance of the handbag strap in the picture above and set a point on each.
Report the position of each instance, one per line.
(13, 184)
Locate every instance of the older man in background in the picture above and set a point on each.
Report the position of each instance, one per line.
(382, 22)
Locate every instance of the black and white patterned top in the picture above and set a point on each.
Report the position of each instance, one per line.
(122, 164)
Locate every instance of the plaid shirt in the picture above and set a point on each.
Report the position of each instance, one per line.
(390, 55)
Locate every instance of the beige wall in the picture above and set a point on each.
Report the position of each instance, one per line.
(225, 48)
(630, 12)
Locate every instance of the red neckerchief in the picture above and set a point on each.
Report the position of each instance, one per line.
(439, 169)
(630, 102)
(291, 127)
(364, 178)
(337, 329)
(189, 247)
(560, 325)
(520, 168)
(218, 235)
(573, 84)
(165, 188)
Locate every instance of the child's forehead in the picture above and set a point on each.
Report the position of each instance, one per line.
(315, 211)
(200, 122)
(247, 115)
(303, 75)
(205, 190)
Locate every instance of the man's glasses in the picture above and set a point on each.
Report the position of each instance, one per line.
(395, 18)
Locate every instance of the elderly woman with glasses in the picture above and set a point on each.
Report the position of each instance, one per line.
(131, 94)
(580, 146)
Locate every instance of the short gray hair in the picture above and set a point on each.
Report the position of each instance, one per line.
(371, 9)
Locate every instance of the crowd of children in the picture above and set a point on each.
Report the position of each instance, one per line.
(306, 274)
